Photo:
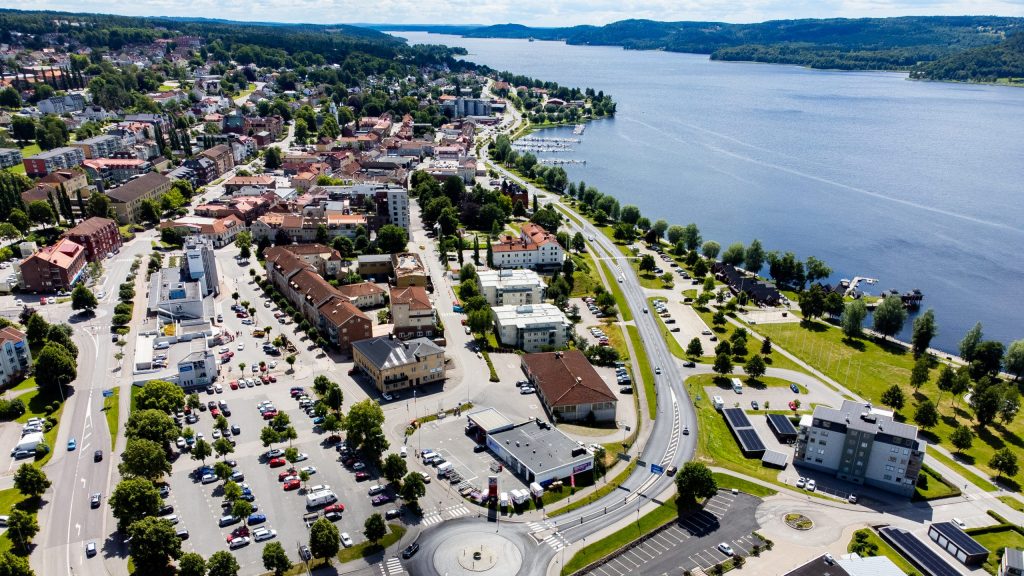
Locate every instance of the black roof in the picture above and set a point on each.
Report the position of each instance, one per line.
(918, 552)
(749, 440)
(781, 424)
(736, 417)
(960, 539)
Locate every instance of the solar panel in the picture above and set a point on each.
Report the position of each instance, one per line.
(781, 424)
(736, 417)
(749, 440)
(961, 539)
(917, 551)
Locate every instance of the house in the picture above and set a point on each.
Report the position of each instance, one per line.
(531, 328)
(412, 313)
(539, 452)
(221, 156)
(409, 270)
(54, 268)
(218, 231)
(99, 237)
(848, 565)
(511, 287)
(363, 295)
(236, 183)
(72, 180)
(52, 160)
(569, 387)
(343, 323)
(15, 355)
(740, 282)
(394, 364)
(534, 248)
(127, 199)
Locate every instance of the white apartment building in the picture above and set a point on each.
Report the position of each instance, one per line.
(535, 248)
(534, 328)
(511, 287)
(15, 356)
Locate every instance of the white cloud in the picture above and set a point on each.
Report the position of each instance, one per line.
(530, 12)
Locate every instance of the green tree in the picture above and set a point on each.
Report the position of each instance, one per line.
(392, 239)
(201, 450)
(244, 242)
(275, 559)
(923, 332)
(145, 459)
(241, 509)
(269, 436)
(723, 364)
(753, 258)
(153, 544)
(223, 563)
(22, 528)
(19, 220)
(890, 316)
(152, 425)
(985, 404)
(374, 528)
(694, 482)
(413, 487)
(852, 320)
(149, 211)
(272, 158)
(734, 254)
(755, 366)
(1004, 462)
(919, 374)
(694, 349)
(134, 499)
(191, 564)
(9, 98)
(962, 438)
(1013, 361)
(31, 481)
(363, 426)
(710, 249)
(55, 366)
(893, 397)
(83, 299)
(324, 539)
(926, 415)
(970, 343)
(223, 447)
(23, 129)
(98, 205)
(160, 395)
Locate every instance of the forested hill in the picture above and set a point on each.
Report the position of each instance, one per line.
(1003, 62)
(864, 43)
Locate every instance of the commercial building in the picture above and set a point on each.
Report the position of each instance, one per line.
(569, 387)
(199, 368)
(99, 236)
(962, 546)
(52, 160)
(173, 297)
(127, 199)
(538, 452)
(200, 264)
(462, 107)
(412, 313)
(534, 248)
(861, 444)
(409, 270)
(533, 328)
(848, 565)
(511, 287)
(54, 268)
(103, 146)
(9, 157)
(394, 364)
(1012, 563)
(15, 355)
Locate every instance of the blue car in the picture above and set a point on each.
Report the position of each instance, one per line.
(794, 388)
(72, 444)
(318, 420)
(257, 518)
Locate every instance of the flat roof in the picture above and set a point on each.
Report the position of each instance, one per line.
(773, 458)
(818, 567)
(743, 430)
(781, 425)
(959, 538)
(540, 446)
(490, 420)
(918, 552)
(144, 349)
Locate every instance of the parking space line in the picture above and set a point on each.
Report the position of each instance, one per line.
(651, 542)
(640, 552)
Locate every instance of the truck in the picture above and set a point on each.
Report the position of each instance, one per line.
(537, 490)
(28, 442)
(320, 498)
(519, 496)
(503, 500)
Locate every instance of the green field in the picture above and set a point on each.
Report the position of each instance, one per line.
(961, 470)
(111, 406)
(585, 278)
(364, 549)
(645, 371)
(773, 360)
(728, 482)
(593, 552)
(868, 367)
(995, 538)
(1012, 502)
(937, 486)
(887, 551)
(725, 383)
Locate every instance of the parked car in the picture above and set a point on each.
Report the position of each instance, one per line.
(346, 540)
(725, 549)
(410, 550)
(794, 388)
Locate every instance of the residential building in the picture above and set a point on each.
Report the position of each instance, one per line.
(62, 104)
(173, 297)
(199, 368)
(569, 387)
(302, 228)
(511, 287)
(235, 183)
(325, 260)
(200, 264)
(394, 364)
(861, 444)
(52, 160)
(103, 146)
(99, 237)
(534, 248)
(412, 313)
(114, 171)
(15, 355)
(217, 231)
(409, 270)
(73, 180)
(1012, 562)
(391, 202)
(9, 157)
(534, 328)
(221, 157)
(363, 295)
(272, 125)
(204, 169)
(538, 452)
(127, 199)
(343, 323)
(54, 268)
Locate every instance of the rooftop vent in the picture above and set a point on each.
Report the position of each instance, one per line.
(868, 417)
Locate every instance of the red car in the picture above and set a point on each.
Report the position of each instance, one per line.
(292, 485)
(265, 378)
(277, 462)
(360, 476)
(269, 415)
(334, 508)
(273, 378)
(234, 384)
(241, 315)
(792, 405)
(285, 474)
(238, 533)
(214, 412)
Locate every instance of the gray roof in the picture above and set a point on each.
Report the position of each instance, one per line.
(374, 258)
(1014, 558)
(850, 414)
(134, 189)
(490, 420)
(541, 448)
(773, 458)
(869, 566)
(385, 352)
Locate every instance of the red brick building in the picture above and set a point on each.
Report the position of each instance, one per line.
(97, 235)
(53, 268)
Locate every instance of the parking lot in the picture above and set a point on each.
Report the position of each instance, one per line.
(693, 541)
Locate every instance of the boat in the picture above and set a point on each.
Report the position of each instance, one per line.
(531, 38)
(579, 129)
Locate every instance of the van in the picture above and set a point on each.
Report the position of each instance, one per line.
(314, 499)
(737, 386)
(717, 402)
(445, 469)
(536, 489)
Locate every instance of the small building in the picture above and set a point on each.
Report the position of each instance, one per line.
(917, 552)
(394, 364)
(952, 539)
(511, 287)
(376, 266)
(127, 199)
(569, 387)
(490, 421)
(783, 429)
(363, 295)
(54, 268)
(749, 441)
(199, 367)
(538, 452)
(409, 270)
(412, 313)
(15, 355)
(99, 236)
(531, 328)
(848, 565)
(1012, 563)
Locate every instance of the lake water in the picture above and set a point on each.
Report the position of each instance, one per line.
(917, 184)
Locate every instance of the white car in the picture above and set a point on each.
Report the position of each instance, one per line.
(261, 534)
(302, 456)
(800, 482)
(180, 442)
(811, 485)
(346, 540)
(318, 488)
(216, 434)
(308, 470)
(272, 364)
(725, 549)
(241, 345)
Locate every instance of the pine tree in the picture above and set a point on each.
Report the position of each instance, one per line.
(53, 205)
(81, 203)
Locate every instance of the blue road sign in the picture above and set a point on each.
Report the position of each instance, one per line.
(108, 392)
(657, 469)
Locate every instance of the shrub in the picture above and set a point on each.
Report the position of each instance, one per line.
(11, 409)
(41, 450)
(121, 319)
(54, 406)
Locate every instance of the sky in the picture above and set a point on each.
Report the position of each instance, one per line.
(529, 12)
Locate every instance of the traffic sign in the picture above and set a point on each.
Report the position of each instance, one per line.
(108, 392)
(657, 469)
(624, 456)
(641, 463)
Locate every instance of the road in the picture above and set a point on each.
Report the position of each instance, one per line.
(66, 521)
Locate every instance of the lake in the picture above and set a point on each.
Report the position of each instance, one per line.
(917, 184)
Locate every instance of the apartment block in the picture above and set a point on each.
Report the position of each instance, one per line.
(52, 160)
(512, 287)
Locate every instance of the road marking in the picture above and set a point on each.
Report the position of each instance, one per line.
(78, 528)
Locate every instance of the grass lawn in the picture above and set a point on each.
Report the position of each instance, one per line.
(601, 492)
(9, 500)
(961, 470)
(717, 447)
(773, 360)
(1012, 502)
(645, 371)
(37, 405)
(887, 551)
(937, 487)
(620, 298)
(618, 540)
(728, 482)
(585, 278)
(111, 407)
(649, 279)
(365, 549)
(994, 539)
(725, 383)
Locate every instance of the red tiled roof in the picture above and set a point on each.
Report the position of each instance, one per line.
(361, 289)
(90, 226)
(414, 296)
(567, 378)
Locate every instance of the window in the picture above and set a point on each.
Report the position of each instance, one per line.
(889, 468)
(887, 477)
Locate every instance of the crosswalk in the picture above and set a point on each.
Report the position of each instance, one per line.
(391, 567)
(556, 541)
(540, 526)
(443, 514)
